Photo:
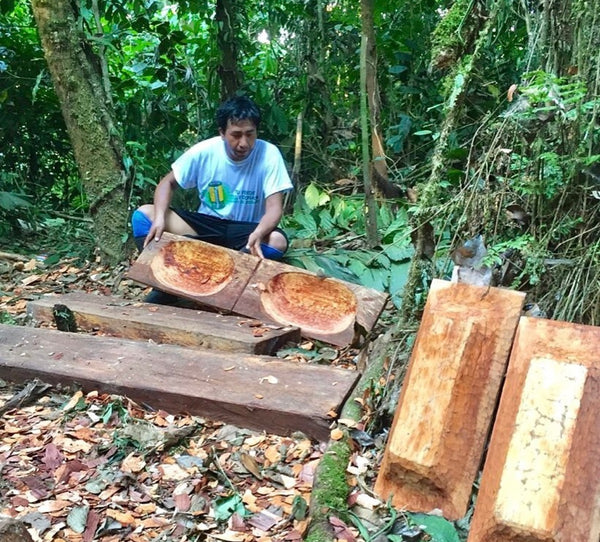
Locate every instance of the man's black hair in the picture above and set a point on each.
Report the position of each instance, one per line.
(236, 109)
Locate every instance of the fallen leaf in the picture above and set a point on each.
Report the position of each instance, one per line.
(182, 501)
(173, 472)
(270, 379)
(73, 401)
(336, 434)
(124, 518)
(53, 457)
(133, 463)
(254, 440)
(53, 506)
(288, 481)
(77, 518)
(264, 520)
(341, 530)
(273, 455)
(366, 501)
(250, 465)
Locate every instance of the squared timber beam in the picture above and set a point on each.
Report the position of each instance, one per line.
(447, 402)
(541, 480)
(118, 317)
(258, 392)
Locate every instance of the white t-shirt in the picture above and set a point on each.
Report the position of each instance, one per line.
(230, 189)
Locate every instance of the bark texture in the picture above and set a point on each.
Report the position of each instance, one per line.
(89, 119)
(229, 73)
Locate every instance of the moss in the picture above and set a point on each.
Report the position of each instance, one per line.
(447, 40)
(330, 493)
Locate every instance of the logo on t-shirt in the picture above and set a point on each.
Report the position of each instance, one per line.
(215, 195)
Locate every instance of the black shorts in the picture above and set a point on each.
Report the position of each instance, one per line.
(218, 231)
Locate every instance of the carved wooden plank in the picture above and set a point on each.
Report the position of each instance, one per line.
(449, 393)
(213, 275)
(173, 325)
(541, 479)
(323, 308)
(257, 392)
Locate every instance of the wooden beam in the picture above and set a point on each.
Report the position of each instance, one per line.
(257, 392)
(445, 410)
(237, 269)
(323, 308)
(541, 480)
(163, 324)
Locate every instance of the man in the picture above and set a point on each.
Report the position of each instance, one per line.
(241, 181)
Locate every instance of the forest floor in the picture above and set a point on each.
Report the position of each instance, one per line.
(78, 467)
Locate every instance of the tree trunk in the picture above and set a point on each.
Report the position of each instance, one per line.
(226, 16)
(368, 84)
(89, 119)
(379, 172)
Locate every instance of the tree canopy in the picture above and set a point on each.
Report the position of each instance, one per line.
(487, 118)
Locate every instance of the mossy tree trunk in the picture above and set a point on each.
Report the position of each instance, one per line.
(459, 79)
(89, 120)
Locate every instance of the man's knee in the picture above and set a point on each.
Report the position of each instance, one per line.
(148, 210)
(141, 222)
(278, 241)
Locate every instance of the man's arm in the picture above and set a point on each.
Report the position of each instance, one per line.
(269, 221)
(162, 199)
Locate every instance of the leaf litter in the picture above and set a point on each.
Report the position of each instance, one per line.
(143, 475)
(98, 467)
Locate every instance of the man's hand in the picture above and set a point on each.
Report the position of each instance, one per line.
(156, 230)
(253, 244)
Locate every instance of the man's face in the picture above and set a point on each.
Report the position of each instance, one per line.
(240, 138)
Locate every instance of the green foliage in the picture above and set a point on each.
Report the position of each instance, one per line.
(337, 222)
(438, 528)
(225, 507)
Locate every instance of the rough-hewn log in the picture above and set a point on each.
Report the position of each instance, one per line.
(117, 317)
(541, 479)
(447, 402)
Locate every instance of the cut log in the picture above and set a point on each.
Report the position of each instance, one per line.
(448, 398)
(208, 274)
(541, 480)
(114, 316)
(257, 392)
(323, 308)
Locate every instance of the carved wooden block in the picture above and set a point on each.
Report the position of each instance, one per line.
(163, 324)
(193, 269)
(448, 397)
(323, 308)
(541, 480)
